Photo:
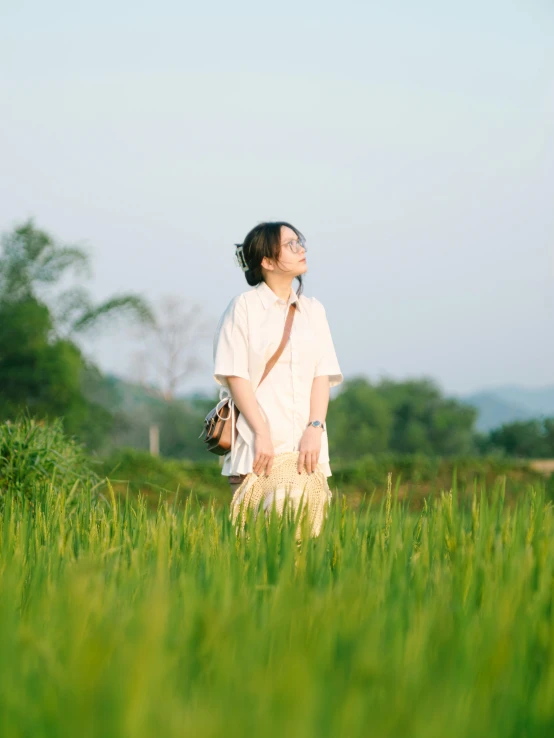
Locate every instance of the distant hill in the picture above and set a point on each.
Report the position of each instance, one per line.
(135, 408)
(510, 403)
(128, 396)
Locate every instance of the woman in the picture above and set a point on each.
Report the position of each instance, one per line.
(280, 431)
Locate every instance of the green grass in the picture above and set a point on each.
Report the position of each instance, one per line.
(116, 622)
(140, 472)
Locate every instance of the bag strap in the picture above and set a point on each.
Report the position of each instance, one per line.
(286, 333)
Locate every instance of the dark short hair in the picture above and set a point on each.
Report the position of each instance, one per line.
(265, 240)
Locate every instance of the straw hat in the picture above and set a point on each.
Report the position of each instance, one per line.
(310, 492)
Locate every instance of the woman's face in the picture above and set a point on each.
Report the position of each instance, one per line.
(289, 263)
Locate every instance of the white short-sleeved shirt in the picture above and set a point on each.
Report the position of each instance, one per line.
(247, 335)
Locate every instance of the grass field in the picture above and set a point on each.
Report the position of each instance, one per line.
(116, 622)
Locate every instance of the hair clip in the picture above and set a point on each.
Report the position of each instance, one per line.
(239, 257)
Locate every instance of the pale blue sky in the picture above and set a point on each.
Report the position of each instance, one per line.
(413, 144)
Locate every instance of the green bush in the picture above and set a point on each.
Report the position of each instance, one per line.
(135, 471)
(34, 454)
(420, 474)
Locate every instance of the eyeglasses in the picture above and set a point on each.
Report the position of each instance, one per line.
(295, 244)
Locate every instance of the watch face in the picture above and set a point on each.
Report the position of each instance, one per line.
(316, 423)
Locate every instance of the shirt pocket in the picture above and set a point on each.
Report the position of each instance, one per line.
(263, 348)
(265, 341)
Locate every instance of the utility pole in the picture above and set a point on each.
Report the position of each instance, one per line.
(154, 440)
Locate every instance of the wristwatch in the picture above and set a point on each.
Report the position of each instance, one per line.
(316, 424)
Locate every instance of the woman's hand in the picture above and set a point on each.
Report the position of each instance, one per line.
(263, 453)
(309, 448)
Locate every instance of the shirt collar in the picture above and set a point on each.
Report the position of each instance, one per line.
(268, 297)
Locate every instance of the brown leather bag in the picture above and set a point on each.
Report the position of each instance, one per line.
(217, 423)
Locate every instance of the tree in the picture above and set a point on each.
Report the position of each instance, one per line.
(33, 263)
(360, 419)
(41, 366)
(406, 417)
(169, 354)
(549, 437)
(525, 439)
(425, 421)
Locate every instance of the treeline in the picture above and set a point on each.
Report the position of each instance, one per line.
(414, 417)
(43, 371)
